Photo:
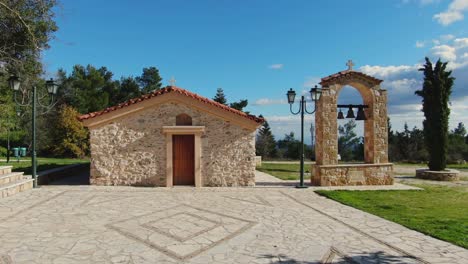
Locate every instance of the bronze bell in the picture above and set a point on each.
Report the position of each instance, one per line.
(340, 115)
(360, 114)
(350, 113)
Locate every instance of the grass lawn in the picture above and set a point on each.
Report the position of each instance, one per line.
(438, 211)
(42, 164)
(284, 171)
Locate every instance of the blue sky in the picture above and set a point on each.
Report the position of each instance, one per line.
(259, 49)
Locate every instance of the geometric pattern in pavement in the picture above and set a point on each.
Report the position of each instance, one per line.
(182, 232)
(257, 199)
(98, 200)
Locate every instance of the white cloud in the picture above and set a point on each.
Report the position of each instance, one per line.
(460, 43)
(402, 86)
(420, 44)
(268, 101)
(448, 17)
(384, 72)
(278, 66)
(445, 52)
(410, 107)
(447, 37)
(453, 13)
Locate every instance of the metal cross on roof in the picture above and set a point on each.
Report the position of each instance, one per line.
(350, 65)
(172, 81)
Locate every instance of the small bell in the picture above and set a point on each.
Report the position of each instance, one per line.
(360, 114)
(340, 115)
(350, 113)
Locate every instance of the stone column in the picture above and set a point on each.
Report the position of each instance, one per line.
(326, 128)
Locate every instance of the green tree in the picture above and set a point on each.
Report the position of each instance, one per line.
(457, 146)
(70, 138)
(290, 147)
(347, 141)
(220, 97)
(417, 150)
(88, 89)
(435, 93)
(402, 142)
(128, 89)
(239, 105)
(150, 80)
(265, 144)
(25, 29)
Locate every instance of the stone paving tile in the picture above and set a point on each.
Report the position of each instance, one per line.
(89, 224)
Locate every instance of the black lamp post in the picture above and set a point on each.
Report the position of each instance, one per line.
(315, 94)
(51, 86)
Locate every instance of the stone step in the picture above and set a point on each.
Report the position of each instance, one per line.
(5, 170)
(10, 178)
(13, 188)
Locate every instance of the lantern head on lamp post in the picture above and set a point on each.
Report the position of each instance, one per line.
(315, 94)
(291, 96)
(14, 82)
(51, 86)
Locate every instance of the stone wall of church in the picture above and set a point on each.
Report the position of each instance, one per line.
(132, 150)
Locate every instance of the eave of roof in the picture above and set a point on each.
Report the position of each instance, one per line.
(326, 81)
(166, 90)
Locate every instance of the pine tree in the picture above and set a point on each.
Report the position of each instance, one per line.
(265, 144)
(239, 105)
(150, 80)
(220, 97)
(435, 94)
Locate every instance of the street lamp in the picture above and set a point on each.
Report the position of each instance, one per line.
(315, 94)
(15, 85)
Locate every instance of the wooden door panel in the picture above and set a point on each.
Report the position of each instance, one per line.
(183, 159)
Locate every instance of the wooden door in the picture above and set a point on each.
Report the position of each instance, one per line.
(183, 159)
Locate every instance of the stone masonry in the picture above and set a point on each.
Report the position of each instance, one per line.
(131, 150)
(327, 170)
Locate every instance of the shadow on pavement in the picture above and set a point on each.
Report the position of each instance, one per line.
(334, 256)
(78, 177)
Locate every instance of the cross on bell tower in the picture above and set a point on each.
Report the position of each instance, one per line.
(350, 65)
(172, 81)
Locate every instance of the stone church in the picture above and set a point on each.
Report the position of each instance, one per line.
(172, 137)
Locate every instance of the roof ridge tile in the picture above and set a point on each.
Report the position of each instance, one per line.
(166, 90)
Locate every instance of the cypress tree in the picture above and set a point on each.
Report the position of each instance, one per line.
(435, 94)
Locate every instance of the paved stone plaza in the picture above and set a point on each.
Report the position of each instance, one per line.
(90, 224)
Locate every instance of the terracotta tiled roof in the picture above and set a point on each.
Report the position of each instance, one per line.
(346, 74)
(171, 89)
